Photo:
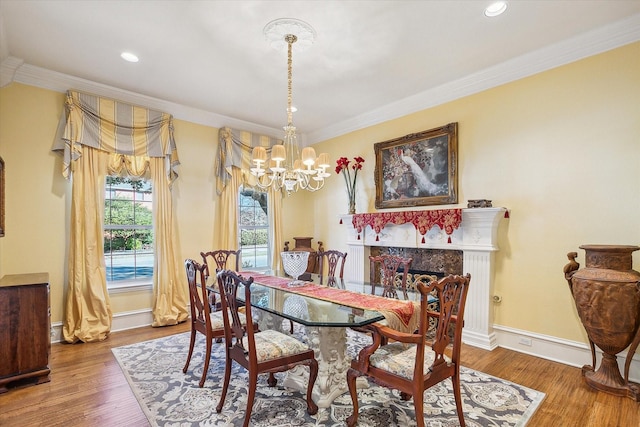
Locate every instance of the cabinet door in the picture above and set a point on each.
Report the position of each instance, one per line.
(24, 331)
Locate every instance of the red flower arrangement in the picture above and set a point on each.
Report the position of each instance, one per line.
(342, 166)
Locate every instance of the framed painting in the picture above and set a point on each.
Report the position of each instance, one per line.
(419, 169)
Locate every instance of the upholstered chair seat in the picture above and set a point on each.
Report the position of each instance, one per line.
(400, 360)
(217, 322)
(271, 344)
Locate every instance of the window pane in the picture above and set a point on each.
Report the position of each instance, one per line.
(253, 225)
(128, 231)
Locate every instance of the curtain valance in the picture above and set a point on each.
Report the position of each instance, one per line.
(114, 127)
(234, 149)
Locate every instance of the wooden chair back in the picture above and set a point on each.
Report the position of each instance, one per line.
(383, 270)
(220, 258)
(331, 262)
(198, 296)
(228, 283)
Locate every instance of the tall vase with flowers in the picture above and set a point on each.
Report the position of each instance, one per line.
(342, 166)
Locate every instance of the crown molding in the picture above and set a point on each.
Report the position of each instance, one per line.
(8, 69)
(588, 44)
(14, 69)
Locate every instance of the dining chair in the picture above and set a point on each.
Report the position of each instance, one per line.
(211, 325)
(220, 257)
(411, 362)
(383, 270)
(266, 351)
(332, 261)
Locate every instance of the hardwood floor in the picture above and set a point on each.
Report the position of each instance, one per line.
(88, 388)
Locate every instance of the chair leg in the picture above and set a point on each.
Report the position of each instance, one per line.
(418, 406)
(207, 358)
(272, 381)
(253, 383)
(312, 408)
(455, 379)
(225, 386)
(191, 344)
(352, 375)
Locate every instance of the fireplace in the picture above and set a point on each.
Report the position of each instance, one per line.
(469, 248)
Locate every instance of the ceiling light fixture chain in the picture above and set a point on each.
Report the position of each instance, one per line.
(286, 169)
(291, 39)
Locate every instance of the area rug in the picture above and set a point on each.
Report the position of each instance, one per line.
(169, 397)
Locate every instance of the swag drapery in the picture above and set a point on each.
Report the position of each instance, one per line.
(99, 137)
(232, 170)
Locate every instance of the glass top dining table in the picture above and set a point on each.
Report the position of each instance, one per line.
(304, 309)
(326, 308)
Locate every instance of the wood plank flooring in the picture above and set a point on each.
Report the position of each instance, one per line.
(88, 388)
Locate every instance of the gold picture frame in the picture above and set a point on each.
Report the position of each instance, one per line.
(418, 169)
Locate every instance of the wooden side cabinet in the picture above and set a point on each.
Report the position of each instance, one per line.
(25, 324)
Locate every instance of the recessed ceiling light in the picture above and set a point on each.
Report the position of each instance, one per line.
(128, 56)
(495, 9)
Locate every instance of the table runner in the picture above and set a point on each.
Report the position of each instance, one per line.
(400, 315)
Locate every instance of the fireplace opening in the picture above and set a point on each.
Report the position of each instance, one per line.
(435, 262)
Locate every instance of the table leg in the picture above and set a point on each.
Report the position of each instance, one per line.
(330, 346)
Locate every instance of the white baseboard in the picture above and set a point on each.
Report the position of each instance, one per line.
(570, 353)
(121, 322)
(483, 341)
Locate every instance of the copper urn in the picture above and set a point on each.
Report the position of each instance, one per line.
(607, 297)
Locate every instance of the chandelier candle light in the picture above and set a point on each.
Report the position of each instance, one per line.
(286, 168)
(342, 166)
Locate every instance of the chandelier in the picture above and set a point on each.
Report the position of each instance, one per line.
(286, 168)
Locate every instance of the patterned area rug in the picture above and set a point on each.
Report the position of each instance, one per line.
(170, 398)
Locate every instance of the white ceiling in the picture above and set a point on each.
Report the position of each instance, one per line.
(372, 60)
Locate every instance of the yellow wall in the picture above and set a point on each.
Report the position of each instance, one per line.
(560, 149)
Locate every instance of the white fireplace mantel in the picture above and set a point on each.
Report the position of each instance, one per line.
(476, 238)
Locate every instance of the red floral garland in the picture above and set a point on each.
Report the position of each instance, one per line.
(447, 219)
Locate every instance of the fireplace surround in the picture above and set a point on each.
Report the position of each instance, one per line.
(475, 238)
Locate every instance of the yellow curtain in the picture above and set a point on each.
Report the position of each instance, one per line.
(169, 283)
(88, 308)
(274, 206)
(99, 136)
(226, 229)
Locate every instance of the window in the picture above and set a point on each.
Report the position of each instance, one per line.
(253, 226)
(128, 232)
